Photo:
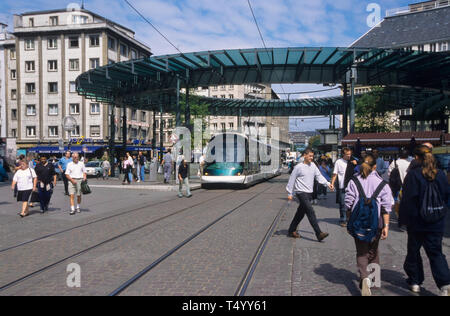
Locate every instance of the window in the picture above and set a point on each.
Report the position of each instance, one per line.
(95, 108)
(223, 96)
(231, 125)
(29, 66)
(74, 108)
(53, 20)
(30, 88)
(223, 126)
(215, 126)
(74, 64)
(52, 65)
(53, 109)
(134, 115)
(123, 50)
(13, 74)
(134, 133)
(52, 87)
(72, 87)
(231, 87)
(53, 131)
(14, 114)
(133, 54)
(214, 88)
(13, 132)
(143, 116)
(143, 134)
(157, 124)
(443, 46)
(170, 123)
(111, 43)
(29, 44)
(52, 43)
(95, 131)
(79, 19)
(231, 96)
(31, 131)
(31, 22)
(94, 40)
(94, 63)
(74, 42)
(223, 88)
(13, 94)
(31, 109)
(76, 131)
(12, 53)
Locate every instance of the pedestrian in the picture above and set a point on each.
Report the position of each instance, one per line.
(397, 172)
(326, 173)
(167, 164)
(3, 174)
(183, 177)
(301, 184)
(369, 184)
(421, 231)
(344, 169)
(141, 163)
(135, 169)
(75, 173)
(106, 166)
(381, 168)
(201, 166)
(62, 165)
(26, 181)
(46, 177)
(130, 167)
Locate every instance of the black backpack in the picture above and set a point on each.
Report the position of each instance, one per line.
(433, 207)
(395, 181)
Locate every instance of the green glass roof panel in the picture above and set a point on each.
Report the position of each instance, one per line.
(224, 59)
(294, 56)
(265, 57)
(237, 57)
(280, 55)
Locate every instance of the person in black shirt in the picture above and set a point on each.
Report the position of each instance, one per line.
(183, 177)
(46, 176)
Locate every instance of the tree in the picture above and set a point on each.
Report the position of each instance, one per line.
(372, 113)
(314, 142)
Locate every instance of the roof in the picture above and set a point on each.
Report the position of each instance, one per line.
(403, 30)
(402, 138)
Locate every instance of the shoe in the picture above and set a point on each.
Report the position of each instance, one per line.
(343, 224)
(445, 290)
(322, 236)
(189, 196)
(365, 287)
(315, 202)
(180, 195)
(78, 210)
(72, 212)
(414, 288)
(294, 235)
(138, 181)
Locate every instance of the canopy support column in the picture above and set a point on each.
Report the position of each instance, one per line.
(188, 109)
(178, 111)
(161, 128)
(154, 134)
(112, 139)
(345, 116)
(124, 129)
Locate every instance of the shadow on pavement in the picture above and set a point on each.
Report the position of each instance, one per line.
(397, 284)
(339, 276)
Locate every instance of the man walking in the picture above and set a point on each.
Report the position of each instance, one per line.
(301, 183)
(75, 173)
(183, 177)
(141, 161)
(343, 171)
(62, 165)
(46, 177)
(167, 165)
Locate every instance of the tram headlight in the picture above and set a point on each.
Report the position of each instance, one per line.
(206, 173)
(238, 174)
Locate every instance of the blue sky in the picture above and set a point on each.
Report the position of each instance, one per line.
(197, 25)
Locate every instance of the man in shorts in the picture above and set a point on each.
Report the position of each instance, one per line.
(75, 173)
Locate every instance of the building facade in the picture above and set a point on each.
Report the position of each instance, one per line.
(51, 49)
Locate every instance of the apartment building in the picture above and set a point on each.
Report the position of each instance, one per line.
(7, 75)
(51, 49)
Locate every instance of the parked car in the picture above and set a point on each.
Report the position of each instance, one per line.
(94, 169)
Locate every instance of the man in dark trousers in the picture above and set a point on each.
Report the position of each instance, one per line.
(46, 177)
(183, 177)
(301, 183)
(62, 165)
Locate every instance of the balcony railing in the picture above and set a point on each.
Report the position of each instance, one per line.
(418, 7)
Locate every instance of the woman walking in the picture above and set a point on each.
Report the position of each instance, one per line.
(370, 184)
(26, 181)
(421, 231)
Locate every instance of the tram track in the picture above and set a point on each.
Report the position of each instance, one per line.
(243, 284)
(49, 266)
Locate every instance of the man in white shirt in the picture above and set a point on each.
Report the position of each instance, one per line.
(301, 183)
(75, 173)
(339, 172)
(402, 164)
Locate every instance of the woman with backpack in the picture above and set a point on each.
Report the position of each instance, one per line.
(425, 188)
(368, 195)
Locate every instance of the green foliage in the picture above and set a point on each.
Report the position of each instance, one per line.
(372, 113)
(314, 142)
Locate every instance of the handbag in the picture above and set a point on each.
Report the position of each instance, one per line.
(85, 189)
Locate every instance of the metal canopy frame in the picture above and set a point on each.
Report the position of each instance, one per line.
(152, 82)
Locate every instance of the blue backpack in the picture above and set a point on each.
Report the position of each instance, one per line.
(363, 223)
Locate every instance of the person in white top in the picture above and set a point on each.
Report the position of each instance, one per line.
(403, 165)
(75, 173)
(26, 181)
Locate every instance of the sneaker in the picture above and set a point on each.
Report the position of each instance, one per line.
(343, 224)
(189, 196)
(180, 195)
(138, 181)
(414, 288)
(78, 210)
(445, 290)
(322, 236)
(365, 287)
(72, 213)
(294, 235)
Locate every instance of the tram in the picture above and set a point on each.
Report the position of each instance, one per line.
(236, 160)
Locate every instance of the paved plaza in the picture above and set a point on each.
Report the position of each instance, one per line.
(121, 231)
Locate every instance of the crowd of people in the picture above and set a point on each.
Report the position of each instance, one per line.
(417, 189)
